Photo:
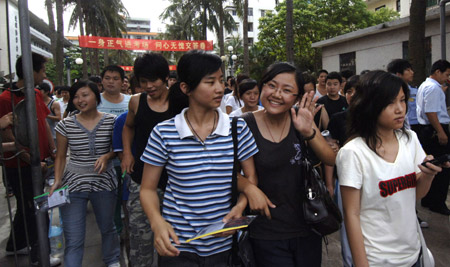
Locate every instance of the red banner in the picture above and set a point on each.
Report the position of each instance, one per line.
(130, 68)
(138, 44)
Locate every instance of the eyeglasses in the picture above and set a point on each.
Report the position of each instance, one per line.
(272, 86)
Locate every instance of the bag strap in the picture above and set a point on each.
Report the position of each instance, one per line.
(235, 260)
(427, 261)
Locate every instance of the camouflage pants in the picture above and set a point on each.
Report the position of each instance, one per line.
(142, 251)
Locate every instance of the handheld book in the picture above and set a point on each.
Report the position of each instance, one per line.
(220, 227)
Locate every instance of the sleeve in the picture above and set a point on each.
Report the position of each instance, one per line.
(419, 154)
(155, 152)
(61, 127)
(246, 143)
(41, 104)
(349, 168)
(230, 101)
(432, 98)
(117, 133)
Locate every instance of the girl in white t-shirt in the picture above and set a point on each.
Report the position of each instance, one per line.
(380, 175)
(232, 101)
(249, 93)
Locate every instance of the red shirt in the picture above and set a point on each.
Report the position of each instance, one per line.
(41, 113)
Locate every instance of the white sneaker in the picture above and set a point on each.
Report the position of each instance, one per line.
(23, 251)
(54, 261)
(116, 264)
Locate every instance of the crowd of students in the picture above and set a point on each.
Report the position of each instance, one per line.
(163, 156)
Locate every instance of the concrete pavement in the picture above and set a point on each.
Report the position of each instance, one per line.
(437, 237)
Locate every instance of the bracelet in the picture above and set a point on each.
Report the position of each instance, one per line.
(310, 137)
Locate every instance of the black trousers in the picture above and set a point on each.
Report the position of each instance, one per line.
(25, 211)
(439, 188)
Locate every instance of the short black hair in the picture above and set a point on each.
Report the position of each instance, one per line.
(334, 76)
(322, 71)
(44, 86)
(95, 79)
(64, 88)
(173, 75)
(196, 64)
(279, 68)
(441, 65)
(398, 65)
(84, 83)
(347, 74)
(114, 68)
(245, 85)
(352, 82)
(241, 77)
(38, 63)
(152, 66)
(308, 78)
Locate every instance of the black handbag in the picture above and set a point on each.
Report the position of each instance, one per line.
(319, 210)
(241, 250)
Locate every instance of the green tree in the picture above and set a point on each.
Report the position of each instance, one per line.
(313, 21)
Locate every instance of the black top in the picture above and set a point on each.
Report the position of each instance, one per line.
(337, 126)
(144, 122)
(278, 169)
(333, 106)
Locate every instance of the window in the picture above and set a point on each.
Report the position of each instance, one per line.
(398, 6)
(250, 12)
(250, 41)
(263, 13)
(236, 27)
(347, 61)
(250, 27)
(380, 7)
(234, 12)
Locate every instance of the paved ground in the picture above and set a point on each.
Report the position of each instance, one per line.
(437, 237)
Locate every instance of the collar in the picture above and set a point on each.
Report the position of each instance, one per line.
(223, 124)
(429, 79)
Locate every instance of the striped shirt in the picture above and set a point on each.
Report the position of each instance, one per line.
(198, 191)
(85, 148)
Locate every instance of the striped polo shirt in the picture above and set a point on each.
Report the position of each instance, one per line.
(198, 191)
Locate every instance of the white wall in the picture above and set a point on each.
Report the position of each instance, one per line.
(376, 51)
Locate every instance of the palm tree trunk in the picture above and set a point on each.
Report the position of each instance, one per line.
(105, 58)
(59, 49)
(204, 19)
(245, 31)
(83, 50)
(416, 45)
(221, 35)
(289, 31)
(51, 26)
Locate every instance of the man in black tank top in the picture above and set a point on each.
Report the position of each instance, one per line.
(145, 110)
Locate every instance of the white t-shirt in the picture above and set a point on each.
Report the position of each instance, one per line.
(238, 112)
(62, 107)
(233, 102)
(388, 198)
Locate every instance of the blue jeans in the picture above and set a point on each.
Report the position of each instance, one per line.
(74, 225)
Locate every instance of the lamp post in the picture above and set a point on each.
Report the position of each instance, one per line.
(231, 59)
(78, 61)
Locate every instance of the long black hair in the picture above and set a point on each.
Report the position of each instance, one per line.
(374, 92)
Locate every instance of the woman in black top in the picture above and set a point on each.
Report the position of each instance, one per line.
(284, 240)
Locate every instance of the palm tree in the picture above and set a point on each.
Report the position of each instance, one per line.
(57, 37)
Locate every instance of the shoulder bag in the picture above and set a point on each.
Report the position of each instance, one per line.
(319, 210)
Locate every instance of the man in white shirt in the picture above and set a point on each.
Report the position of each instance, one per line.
(434, 131)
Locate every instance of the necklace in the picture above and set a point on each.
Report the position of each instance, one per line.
(193, 130)
(268, 128)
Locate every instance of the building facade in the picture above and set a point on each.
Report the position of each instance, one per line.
(374, 47)
(9, 25)
(401, 6)
(256, 10)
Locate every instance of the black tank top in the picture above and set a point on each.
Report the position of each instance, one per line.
(278, 169)
(144, 122)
